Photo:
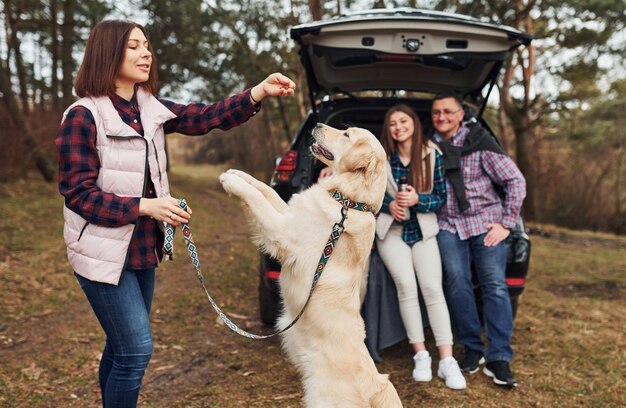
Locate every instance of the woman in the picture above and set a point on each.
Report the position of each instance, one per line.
(112, 173)
(406, 231)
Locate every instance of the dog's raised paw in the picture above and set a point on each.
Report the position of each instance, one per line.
(226, 180)
(232, 183)
(223, 177)
(244, 176)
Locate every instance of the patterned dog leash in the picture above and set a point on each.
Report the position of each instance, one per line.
(328, 250)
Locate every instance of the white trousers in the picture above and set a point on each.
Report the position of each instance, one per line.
(404, 264)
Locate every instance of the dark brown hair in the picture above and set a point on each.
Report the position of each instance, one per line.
(103, 59)
(419, 173)
(449, 94)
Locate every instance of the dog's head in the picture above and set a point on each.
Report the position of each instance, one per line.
(357, 159)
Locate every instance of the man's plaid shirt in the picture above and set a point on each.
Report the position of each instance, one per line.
(481, 170)
(411, 232)
(79, 165)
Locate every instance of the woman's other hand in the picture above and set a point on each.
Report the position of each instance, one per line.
(407, 198)
(164, 209)
(397, 211)
(276, 84)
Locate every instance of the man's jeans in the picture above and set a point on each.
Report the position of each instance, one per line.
(123, 311)
(490, 262)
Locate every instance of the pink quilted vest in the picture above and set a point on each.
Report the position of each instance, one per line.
(99, 253)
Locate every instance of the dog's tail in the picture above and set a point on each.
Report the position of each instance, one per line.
(386, 396)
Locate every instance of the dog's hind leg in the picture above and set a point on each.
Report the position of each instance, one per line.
(272, 196)
(386, 397)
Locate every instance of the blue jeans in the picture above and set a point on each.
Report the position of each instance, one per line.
(490, 262)
(123, 311)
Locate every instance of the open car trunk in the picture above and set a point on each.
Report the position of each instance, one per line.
(404, 50)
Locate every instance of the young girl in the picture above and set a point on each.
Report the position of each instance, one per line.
(112, 173)
(406, 232)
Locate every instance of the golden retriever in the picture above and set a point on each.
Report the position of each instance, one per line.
(327, 343)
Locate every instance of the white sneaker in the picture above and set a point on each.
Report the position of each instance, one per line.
(450, 372)
(422, 371)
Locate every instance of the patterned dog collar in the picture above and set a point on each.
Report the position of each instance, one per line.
(346, 202)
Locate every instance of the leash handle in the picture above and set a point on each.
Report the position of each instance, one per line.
(191, 247)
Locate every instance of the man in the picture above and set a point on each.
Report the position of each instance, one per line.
(474, 224)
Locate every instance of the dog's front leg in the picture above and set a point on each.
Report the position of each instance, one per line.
(272, 196)
(268, 219)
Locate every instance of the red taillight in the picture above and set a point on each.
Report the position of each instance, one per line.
(272, 274)
(287, 165)
(515, 281)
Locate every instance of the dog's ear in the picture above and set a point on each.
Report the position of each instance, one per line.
(358, 158)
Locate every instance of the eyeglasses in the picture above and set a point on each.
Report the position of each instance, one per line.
(447, 113)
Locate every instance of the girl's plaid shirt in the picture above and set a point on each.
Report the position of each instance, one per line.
(411, 232)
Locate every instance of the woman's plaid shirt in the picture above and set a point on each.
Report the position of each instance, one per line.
(411, 232)
(79, 165)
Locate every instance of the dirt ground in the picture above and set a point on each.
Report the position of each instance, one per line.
(568, 339)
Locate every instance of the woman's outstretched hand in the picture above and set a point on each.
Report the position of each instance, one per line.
(276, 84)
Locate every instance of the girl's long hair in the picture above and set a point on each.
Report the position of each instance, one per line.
(420, 173)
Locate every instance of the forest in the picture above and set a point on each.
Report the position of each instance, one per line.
(559, 108)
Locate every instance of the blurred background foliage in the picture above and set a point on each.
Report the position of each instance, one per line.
(559, 109)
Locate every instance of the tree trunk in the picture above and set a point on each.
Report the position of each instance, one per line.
(67, 62)
(524, 138)
(521, 112)
(13, 43)
(505, 137)
(519, 115)
(44, 165)
(54, 53)
(316, 7)
(619, 212)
